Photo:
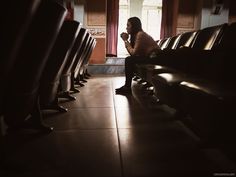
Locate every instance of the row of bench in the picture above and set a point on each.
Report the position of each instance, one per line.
(43, 56)
(194, 73)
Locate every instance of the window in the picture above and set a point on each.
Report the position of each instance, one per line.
(124, 14)
(150, 15)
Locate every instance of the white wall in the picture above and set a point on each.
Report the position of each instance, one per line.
(79, 12)
(209, 19)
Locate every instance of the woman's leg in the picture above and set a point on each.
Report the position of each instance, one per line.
(129, 73)
(130, 63)
(128, 70)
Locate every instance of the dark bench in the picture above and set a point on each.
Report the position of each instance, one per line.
(199, 82)
(21, 99)
(59, 59)
(204, 39)
(12, 33)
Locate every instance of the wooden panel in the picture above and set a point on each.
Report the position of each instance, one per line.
(98, 55)
(96, 12)
(187, 10)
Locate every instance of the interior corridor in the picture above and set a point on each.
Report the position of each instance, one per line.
(104, 134)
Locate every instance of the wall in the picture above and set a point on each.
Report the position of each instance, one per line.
(210, 19)
(92, 14)
(194, 15)
(79, 12)
(95, 22)
(188, 18)
(98, 55)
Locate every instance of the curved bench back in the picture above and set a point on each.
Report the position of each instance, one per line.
(58, 59)
(186, 39)
(209, 37)
(227, 42)
(12, 32)
(30, 61)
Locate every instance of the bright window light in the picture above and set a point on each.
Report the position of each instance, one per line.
(151, 12)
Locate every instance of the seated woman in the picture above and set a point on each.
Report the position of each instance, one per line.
(140, 47)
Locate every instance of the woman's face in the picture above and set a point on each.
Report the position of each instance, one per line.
(129, 27)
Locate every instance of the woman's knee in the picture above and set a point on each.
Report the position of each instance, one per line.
(129, 60)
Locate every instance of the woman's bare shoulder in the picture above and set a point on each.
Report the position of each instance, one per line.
(142, 34)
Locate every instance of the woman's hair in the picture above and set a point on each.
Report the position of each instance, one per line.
(136, 26)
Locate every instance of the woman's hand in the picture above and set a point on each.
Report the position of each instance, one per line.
(124, 36)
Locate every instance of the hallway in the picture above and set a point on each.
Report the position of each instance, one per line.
(104, 134)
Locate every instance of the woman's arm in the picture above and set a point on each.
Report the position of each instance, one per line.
(125, 36)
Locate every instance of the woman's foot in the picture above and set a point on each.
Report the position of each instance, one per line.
(124, 90)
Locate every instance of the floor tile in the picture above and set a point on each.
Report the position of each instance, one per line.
(137, 117)
(106, 134)
(63, 153)
(89, 100)
(82, 118)
(166, 152)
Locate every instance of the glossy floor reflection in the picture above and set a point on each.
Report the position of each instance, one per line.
(104, 134)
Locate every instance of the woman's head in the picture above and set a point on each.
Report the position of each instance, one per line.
(134, 25)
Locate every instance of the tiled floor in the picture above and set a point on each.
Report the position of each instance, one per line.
(104, 134)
